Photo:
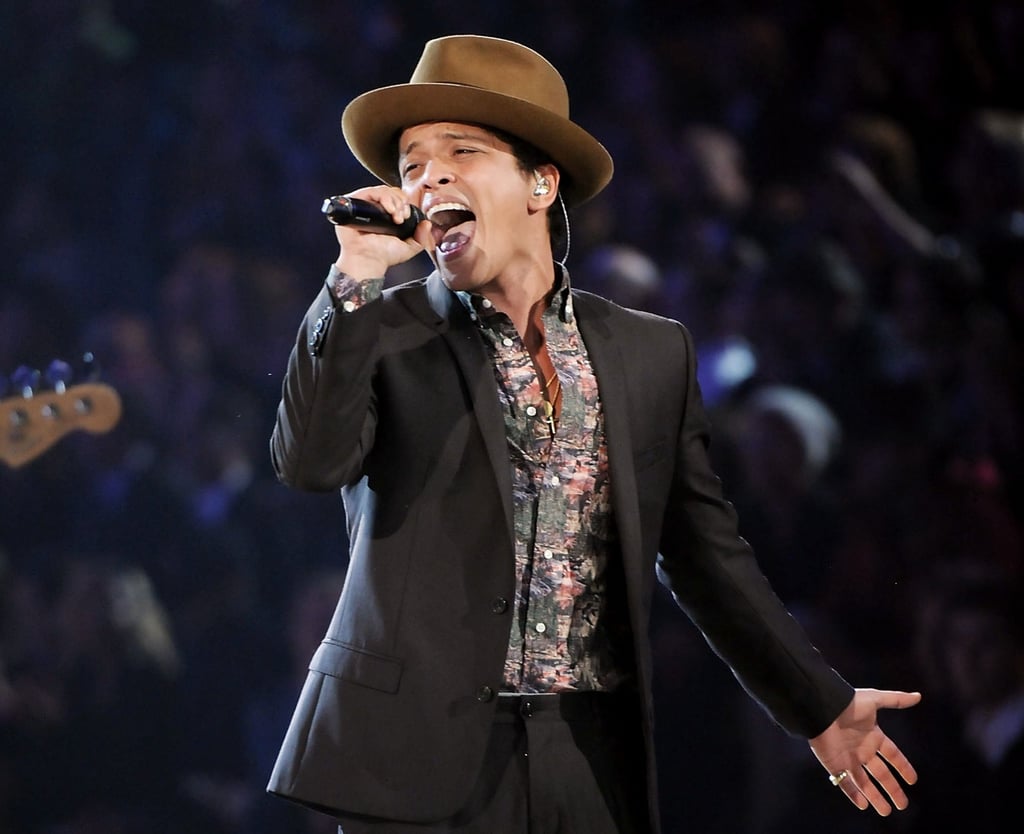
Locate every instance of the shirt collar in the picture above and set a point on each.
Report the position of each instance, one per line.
(561, 300)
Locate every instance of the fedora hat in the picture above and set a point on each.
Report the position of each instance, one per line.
(486, 81)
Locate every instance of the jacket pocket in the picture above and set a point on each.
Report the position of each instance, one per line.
(357, 666)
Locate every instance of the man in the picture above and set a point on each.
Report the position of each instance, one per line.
(516, 459)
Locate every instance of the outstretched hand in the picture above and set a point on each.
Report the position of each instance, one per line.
(861, 759)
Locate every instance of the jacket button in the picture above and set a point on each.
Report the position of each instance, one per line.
(484, 694)
(499, 605)
(319, 331)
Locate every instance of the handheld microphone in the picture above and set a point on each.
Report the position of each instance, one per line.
(370, 217)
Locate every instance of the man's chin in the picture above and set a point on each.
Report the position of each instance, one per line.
(457, 276)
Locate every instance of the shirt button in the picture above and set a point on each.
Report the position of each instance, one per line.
(554, 480)
(548, 554)
(499, 605)
(484, 694)
(540, 628)
(486, 303)
(531, 411)
(348, 306)
(507, 342)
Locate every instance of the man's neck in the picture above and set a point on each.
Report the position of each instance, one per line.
(522, 294)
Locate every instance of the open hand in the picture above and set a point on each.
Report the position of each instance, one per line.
(861, 759)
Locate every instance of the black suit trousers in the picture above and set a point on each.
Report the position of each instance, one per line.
(555, 764)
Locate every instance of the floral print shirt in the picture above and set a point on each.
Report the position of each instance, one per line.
(564, 532)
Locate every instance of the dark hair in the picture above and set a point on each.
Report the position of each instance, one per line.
(530, 157)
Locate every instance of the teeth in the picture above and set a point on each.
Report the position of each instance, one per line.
(446, 207)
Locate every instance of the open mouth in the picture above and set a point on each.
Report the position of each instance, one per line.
(451, 232)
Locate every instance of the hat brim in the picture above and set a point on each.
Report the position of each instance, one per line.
(372, 122)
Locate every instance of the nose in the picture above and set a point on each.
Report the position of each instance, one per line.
(436, 174)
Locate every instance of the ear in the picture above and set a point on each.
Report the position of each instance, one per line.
(544, 187)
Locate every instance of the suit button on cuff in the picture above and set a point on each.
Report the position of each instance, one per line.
(319, 332)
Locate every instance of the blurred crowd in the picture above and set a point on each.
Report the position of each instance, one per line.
(831, 197)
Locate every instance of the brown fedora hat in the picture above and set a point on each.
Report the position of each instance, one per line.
(486, 81)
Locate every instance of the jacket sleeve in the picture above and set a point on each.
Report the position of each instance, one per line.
(325, 421)
(714, 576)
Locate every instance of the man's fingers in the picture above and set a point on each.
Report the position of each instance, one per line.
(864, 793)
(853, 793)
(856, 797)
(891, 699)
(887, 781)
(877, 800)
(897, 761)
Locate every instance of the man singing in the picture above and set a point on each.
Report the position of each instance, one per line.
(518, 461)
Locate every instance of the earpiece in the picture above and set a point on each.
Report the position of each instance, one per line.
(542, 187)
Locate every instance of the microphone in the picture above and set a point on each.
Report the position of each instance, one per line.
(370, 217)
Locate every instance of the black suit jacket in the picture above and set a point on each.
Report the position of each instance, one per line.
(395, 404)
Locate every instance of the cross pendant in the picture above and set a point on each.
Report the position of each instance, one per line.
(549, 416)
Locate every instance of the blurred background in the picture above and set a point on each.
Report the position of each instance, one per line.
(830, 195)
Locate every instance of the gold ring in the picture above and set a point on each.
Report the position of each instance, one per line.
(839, 777)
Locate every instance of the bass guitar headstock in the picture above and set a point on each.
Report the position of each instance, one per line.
(33, 419)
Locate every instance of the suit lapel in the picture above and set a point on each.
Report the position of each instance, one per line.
(609, 367)
(452, 321)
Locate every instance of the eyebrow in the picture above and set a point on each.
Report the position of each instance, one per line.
(451, 134)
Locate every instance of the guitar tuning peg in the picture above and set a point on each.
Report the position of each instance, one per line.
(58, 375)
(88, 368)
(25, 380)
